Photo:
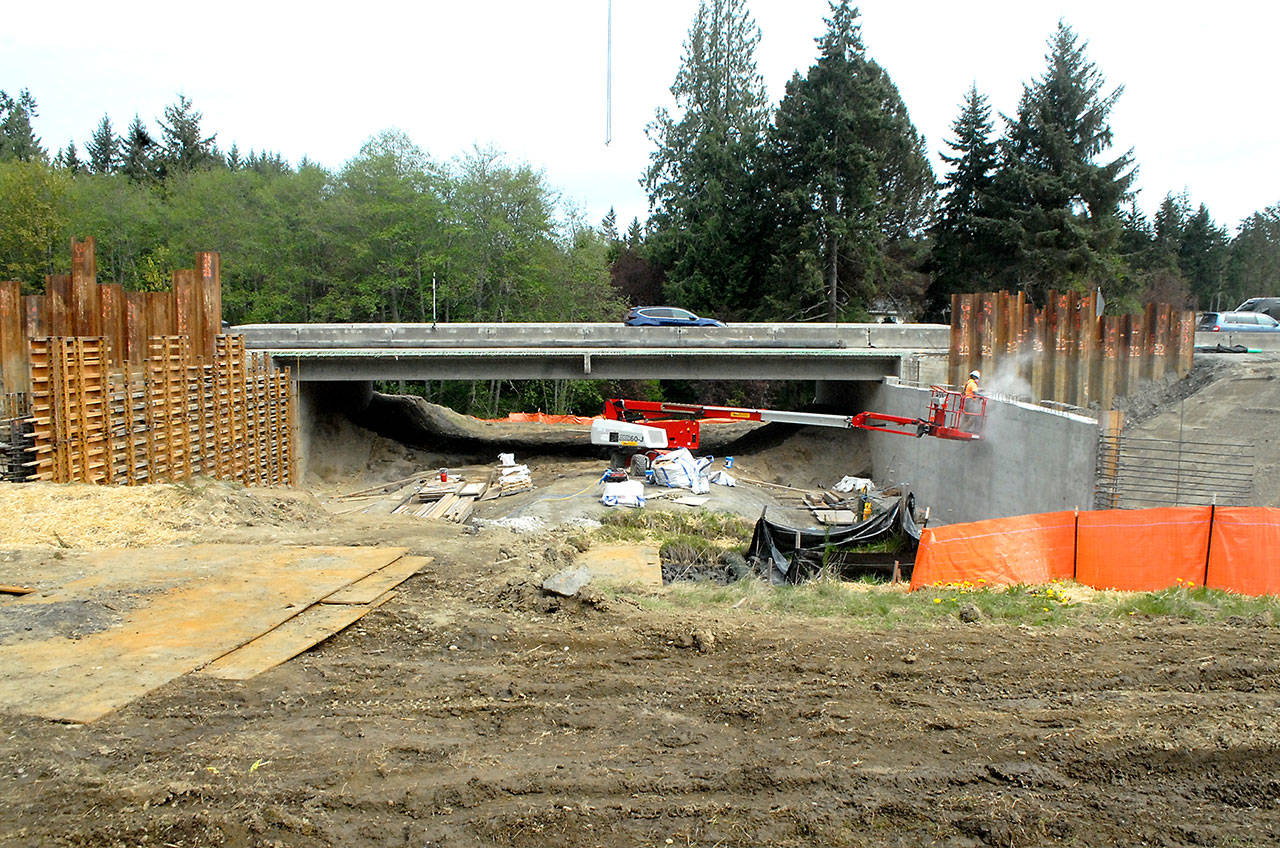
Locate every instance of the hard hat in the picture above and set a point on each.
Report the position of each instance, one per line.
(975, 375)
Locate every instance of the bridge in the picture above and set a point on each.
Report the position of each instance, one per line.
(761, 351)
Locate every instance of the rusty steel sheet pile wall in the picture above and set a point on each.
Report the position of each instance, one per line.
(1065, 352)
(139, 387)
(1140, 550)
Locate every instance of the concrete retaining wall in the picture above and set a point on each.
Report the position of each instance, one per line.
(1029, 460)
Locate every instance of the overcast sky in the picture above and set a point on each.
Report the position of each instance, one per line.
(319, 79)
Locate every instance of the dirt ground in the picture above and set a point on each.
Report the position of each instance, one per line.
(473, 709)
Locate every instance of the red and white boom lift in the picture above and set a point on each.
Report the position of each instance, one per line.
(951, 415)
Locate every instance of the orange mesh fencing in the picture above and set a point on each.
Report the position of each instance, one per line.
(1143, 550)
(542, 418)
(1245, 552)
(998, 552)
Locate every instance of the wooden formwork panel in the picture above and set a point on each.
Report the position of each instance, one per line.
(232, 417)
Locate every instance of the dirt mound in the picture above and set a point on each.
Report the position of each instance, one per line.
(95, 517)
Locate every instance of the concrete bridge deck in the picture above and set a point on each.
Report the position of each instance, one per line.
(337, 352)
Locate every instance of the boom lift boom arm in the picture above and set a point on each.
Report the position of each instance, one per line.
(951, 416)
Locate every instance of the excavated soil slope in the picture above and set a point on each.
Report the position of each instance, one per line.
(1227, 398)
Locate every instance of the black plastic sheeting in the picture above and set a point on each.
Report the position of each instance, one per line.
(793, 554)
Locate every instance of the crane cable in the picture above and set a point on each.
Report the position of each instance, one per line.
(608, 79)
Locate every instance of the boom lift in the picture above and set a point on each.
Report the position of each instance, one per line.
(951, 416)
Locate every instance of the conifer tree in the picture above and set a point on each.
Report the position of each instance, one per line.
(17, 137)
(967, 249)
(850, 175)
(69, 159)
(705, 200)
(103, 148)
(1059, 202)
(1202, 256)
(137, 160)
(184, 146)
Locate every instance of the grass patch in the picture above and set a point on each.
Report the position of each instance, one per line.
(695, 536)
(879, 605)
(704, 523)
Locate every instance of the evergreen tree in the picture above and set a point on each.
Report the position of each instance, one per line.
(17, 138)
(69, 159)
(1060, 204)
(234, 162)
(137, 160)
(184, 147)
(1202, 256)
(706, 225)
(267, 162)
(103, 148)
(1167, 229)
(635, 234)
(850, 175)
(1253, 265)
(967, 248)
(609, 226)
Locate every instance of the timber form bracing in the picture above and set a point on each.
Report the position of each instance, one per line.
(1066, 351)
(105, 386)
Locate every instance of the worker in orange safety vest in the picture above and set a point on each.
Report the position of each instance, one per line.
(969, 420)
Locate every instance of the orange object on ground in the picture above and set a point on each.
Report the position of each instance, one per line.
(542, 418)
(998, 552)
(1243, 552)
(1143, 550)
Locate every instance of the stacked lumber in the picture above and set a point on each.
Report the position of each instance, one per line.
(448, 501)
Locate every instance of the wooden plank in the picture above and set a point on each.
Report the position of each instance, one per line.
(388, 577)
(442, 506)
(16, 590)
(192, 605)
(281, 644)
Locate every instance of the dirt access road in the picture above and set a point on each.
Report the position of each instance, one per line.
(472, 709)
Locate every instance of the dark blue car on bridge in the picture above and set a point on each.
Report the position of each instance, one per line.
(666, 316)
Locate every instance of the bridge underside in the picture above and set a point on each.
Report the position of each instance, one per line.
(312, 365)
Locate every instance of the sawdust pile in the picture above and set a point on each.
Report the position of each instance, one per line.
(93, 517)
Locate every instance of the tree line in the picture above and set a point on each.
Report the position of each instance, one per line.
(392, 235)
(827, 205)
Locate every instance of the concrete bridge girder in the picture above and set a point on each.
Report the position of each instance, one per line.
(589, 364)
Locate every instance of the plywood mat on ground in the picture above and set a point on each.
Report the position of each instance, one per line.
(384, 579)
(281, 644)
(624, 564)
(170, 610)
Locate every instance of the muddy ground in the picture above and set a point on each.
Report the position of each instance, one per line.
(473, 709)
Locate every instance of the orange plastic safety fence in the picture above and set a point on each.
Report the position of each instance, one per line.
(542, 418)
(997, 552)
(1244, 555)
(1143, 550)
